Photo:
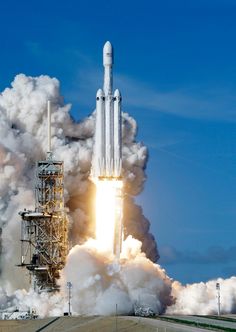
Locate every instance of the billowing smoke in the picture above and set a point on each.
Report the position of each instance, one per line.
(200, 298)
(100, 286)
(23, 141)
(103, 283)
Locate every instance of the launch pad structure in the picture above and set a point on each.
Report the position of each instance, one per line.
(44, 231)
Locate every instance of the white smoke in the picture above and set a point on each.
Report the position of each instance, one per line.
(201, 298)
(102, 287)
(44, 304)
(98, 284)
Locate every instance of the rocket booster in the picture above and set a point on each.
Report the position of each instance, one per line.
(107, 151)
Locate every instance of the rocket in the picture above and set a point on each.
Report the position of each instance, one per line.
(107, 161)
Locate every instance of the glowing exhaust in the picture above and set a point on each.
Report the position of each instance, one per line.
(109, 203)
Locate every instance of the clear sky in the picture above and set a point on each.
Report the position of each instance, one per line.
(175, 64)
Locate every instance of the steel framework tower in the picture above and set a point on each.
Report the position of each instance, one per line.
(44, 231)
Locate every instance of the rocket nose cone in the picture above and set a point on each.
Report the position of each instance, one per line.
(117, 93)
(107, 54)
(107, 47)
(100, 93)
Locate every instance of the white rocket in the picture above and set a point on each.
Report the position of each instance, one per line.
(107, 150)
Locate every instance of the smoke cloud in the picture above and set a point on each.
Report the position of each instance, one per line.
(23, 141)
(136, 280)
(99, 285)
(200, 298)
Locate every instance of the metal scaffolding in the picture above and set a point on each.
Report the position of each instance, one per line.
(44, 231)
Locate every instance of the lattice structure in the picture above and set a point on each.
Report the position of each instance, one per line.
(44, 231)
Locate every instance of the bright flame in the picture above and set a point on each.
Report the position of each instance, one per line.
(108, 213)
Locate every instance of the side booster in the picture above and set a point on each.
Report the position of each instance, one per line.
(107, 151)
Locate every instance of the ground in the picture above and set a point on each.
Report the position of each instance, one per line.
(122, 324)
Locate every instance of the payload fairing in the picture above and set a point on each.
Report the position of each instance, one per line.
(107, 151)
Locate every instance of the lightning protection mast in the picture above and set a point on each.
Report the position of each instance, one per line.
(218, 297)
(44, 231)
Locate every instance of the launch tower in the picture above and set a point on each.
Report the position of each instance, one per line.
(44, 243)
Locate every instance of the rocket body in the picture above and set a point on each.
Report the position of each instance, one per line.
(107, 151)
(107, 162)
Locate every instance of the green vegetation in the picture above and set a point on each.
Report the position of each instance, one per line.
(197, 324)
(227, 319)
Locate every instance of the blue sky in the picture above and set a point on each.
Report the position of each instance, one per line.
(175, 64)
